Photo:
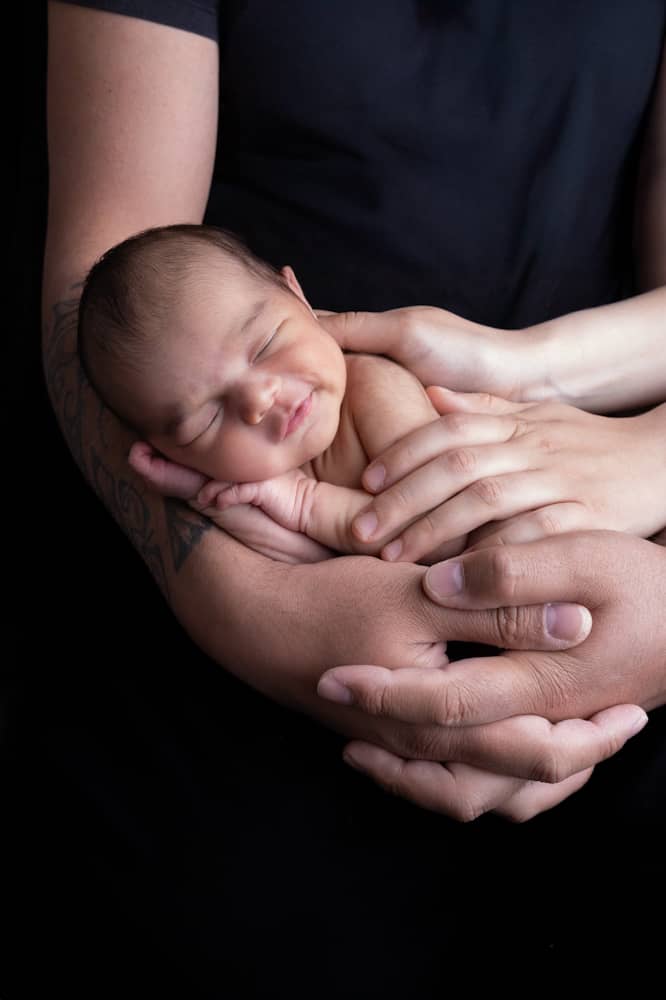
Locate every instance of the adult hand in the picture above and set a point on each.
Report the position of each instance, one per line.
(442, 348)
(358, 605)
(362, 607)
(548, 466)
(621, 579)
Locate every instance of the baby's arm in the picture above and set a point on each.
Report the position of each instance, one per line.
(297, 502)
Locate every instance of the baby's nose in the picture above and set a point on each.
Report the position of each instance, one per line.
(258, 398)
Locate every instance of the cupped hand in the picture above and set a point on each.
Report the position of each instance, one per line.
(548, 467)
(442, 348)
(359, 606)
(621, 579)
(622, 662)
(351, 608)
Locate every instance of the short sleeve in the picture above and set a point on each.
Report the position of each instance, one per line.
(197, 16)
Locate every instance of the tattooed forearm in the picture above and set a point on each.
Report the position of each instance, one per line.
(185, 527)
(64, 376)
(97, 443)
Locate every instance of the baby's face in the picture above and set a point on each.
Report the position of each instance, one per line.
(247, 384)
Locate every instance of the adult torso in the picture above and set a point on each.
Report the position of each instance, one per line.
(477, 155)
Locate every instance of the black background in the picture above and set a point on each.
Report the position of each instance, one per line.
(153, 840)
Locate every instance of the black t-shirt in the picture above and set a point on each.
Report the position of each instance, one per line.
(479, 156)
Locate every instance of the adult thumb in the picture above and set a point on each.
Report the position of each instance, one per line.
(361, 331)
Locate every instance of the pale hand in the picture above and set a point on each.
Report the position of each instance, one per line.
(440, 347)
(540, 468)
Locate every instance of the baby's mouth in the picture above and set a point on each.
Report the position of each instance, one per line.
(297, 416)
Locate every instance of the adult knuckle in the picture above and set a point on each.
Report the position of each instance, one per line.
(461, 461)
(549, 523)
(501, 573)
(456, 424)
(520, 427)
(351, 319)
(378, 700)
(510, 625)
(486, 401)
(468, 807)
(547, 444)
(399, 498)
(409, 454)
(392, 779)
(548, 766)
(425, 530)
(453, 706)
(553, 684)
(421, 743)
(410, 322)
(489, 491)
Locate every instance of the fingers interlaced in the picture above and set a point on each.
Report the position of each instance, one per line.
(458, 790)
(518, 767)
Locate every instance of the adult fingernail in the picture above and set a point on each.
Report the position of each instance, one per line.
(332, 690)
(374, 477)
(638, 723)
(445, 579)
(365, 525)
(392, 550)
(567, 621)
(352, 760)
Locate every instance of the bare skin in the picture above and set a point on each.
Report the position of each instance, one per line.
(123, 159)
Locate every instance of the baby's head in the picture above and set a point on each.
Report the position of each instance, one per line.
(210, 353)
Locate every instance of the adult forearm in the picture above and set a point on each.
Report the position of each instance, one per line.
(211, 582)
(604, 359)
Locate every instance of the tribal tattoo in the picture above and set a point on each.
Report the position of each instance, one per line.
(85, 423)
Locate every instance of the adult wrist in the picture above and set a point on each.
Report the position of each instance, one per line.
(604, 359)
(653, 432)
(527, 358)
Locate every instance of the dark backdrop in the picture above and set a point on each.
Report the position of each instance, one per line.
(150, 842)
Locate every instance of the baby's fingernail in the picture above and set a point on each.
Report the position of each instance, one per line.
(365, 525)
(445, 579)
(332, 690)
(567, 621)
(374, 477)
(392, 550)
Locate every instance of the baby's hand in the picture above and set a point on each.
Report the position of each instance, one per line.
(283, 498)
(245, 522)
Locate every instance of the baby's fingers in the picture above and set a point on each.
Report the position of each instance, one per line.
(210, 495)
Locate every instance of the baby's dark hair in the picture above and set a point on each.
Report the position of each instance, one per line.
(129, 293)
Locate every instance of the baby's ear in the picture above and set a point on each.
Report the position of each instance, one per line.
(294, 284)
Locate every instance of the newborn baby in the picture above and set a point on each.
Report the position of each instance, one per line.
(217, 360)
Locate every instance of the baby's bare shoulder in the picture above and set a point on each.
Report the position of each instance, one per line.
(374, 369)
(385, 401)
(373, 380)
